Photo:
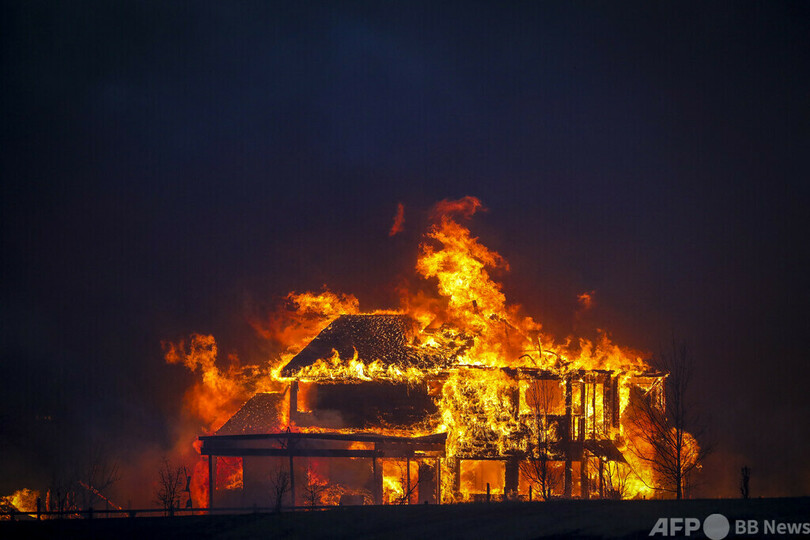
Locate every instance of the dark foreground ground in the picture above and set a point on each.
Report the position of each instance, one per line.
(496, 521)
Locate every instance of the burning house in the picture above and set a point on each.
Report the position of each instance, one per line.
(455, 396)
(404, 422)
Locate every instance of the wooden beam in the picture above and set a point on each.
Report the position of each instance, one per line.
(584, 481)
(292, 482)
(377, 480)
(212, 479)
(293, 401)
(593, 407)
(567, 438)
(436, 438)
(408, 468)
(601, 478)
(511, 479)
(456, 475)
(438, 481)
(227, 450)
(297, 452)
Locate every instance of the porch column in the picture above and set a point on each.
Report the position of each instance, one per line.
(377, 478)
(438, 481)
(456, 476)
(408, 473)
(568, 434)
(293, 402)
(292, 480)
(584, 481)
(601, 478)
(212, 479)
(511, 477)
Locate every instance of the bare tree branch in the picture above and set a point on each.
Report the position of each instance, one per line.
(97, 472)
(314, 488)
(171, 482)
(407, 493)
(542, 469)
(279, 486)
(665, 431)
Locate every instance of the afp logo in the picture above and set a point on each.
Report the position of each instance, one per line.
(715, 527)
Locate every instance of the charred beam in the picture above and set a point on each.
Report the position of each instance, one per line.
(377, 480)
(567, 437)
(511, 476)
(291, 448)
(408, 474)
(352, 437)
(293, 401)
(315, 452)
(438, 480)
(615, 403)
(585, 488)
(212, 479)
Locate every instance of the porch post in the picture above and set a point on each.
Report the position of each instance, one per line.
(212, 479)
(408, 468)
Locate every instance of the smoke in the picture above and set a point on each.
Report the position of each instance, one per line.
(465, 207)
(399, 220)
(585, 301)
(299, 317)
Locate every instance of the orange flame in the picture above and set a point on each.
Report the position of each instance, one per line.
(23, 500)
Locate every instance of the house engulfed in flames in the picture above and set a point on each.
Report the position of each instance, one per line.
(451, 399)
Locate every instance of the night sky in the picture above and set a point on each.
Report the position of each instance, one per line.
(177, 168)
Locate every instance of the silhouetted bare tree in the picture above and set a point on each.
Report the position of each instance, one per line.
(82, 483)
(61, 495)
(616, 479)
(542, 468)
(279, 486)
(745, 477)
(409, 485)
(171, 481)
(97, 472)
(666, 433)
(314, 488)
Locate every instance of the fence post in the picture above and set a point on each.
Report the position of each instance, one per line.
(39, 508)
(488, 495)
(408, 467)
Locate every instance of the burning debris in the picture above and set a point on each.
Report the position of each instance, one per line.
(21, 504)
(454, 397)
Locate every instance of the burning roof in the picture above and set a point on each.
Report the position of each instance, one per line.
(368, 339)
(260, 414)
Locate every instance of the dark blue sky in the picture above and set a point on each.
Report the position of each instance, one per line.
(169, 168)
